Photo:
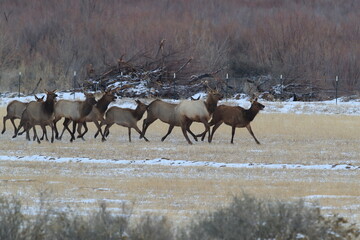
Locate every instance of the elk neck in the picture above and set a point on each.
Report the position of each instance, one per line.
(138, 112)
(102, 104)
(211, 104)
(49, 105)
(251, 113)
(86, 108)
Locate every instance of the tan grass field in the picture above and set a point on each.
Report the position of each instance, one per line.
(180, 191)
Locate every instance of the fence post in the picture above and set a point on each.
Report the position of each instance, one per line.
(227, 85)
(19, 84)
(174, 93)
(336, 88)
(74, 79)
(281, 85)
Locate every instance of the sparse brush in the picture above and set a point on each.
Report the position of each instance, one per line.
(151, 228)
(251, 218)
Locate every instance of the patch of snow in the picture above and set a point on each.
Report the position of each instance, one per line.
(183, 163)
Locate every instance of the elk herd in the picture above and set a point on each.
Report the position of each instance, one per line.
(49, 111)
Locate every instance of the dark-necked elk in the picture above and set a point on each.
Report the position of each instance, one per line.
(197, 111)
(74, 111)
(236, 117)
(14, 111)
(125, 117)
(164, 111)
(97, 114)
(39, 113)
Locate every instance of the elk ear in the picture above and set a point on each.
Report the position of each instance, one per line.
(36, 97)
(42, 97)
(253, 98)
(46, 91)
(137, 101)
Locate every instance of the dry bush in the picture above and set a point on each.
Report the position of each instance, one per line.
(244, 218)
(151, 228)
(250, 218)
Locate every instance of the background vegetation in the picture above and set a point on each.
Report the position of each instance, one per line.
(308, 42)
(244, 218)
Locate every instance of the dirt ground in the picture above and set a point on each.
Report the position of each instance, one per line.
(180, 191)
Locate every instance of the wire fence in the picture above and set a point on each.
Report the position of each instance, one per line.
(232, 85)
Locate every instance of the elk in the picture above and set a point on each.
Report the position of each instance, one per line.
(125, 117)
(74, 111)
(197, 111)
(97, 114)
(236, 117)
(14, 111)
(164, 111)
(39, 113)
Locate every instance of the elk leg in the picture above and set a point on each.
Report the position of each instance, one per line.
(171, 127)
(129, 131)
(252, 134)
(146, 124)
(213, 130)
(191, 133)
(97, 132)
(12, 120)
(207, 128)
(20, 133)
(13, 123)
(52, 131)
(18, 129)
(73, 132)
(79, 129)
(99, 128)
(66, 126)
(28, 134)
(66, 122)
(55, 128)
(34, 137)
(44, 133)
(35, 134)
(106, 130)
(139, 131)
(183, 128)
(232, 134)
(4, 127)
(81, 135)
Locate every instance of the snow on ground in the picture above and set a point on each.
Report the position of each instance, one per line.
(342, 106)
(183, 163)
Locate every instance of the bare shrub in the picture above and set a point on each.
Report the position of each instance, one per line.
(251, 218)
(151, 228)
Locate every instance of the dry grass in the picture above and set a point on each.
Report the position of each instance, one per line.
(179, 191)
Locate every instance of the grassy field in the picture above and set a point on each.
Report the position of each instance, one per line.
(181, 191)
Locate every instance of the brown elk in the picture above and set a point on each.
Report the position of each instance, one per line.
(125, 117)
(74, 111)
(197, 111)
(97, 114)
(14, 111)
(39, 113)
(164, 111)
(236, 117)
